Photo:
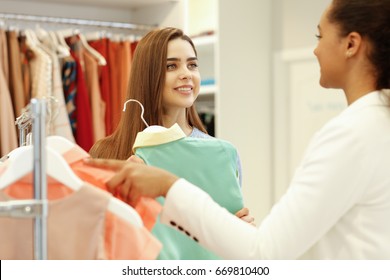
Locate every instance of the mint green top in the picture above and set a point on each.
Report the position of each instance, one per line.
(210, 164)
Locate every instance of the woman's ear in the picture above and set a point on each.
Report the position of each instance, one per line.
(354, 41)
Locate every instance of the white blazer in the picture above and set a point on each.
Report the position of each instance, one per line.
(337, 205)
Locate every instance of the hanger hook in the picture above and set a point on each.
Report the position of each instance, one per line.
(142, 109)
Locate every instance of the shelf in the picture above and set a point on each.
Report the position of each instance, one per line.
(204, 44)
(204, 40)
(126, 4)
(208, 90)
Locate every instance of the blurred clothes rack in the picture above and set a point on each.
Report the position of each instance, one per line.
(74, 21)
(41, 60)
(36, 208)
(77, 201)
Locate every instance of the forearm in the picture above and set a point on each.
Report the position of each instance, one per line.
(189, 208)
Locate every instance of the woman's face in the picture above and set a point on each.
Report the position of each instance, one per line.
(182, 80)
(331, 53)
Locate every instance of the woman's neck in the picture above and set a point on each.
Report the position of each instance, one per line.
(180, 119)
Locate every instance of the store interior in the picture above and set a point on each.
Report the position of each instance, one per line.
(259, 75)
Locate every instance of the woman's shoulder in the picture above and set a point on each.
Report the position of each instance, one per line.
(196, 133)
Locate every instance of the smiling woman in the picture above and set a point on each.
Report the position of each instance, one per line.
(182, 83)
(166, 80)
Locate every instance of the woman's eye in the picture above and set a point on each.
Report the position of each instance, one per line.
(318, 36)
(193, 65)
(171, 66)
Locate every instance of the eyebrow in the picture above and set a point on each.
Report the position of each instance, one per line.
(178, 59)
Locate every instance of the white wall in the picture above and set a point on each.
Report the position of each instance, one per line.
(244, 98)
(252, 111)
(295, 22)
(201, 16)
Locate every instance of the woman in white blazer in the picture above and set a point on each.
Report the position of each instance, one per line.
(338, 203)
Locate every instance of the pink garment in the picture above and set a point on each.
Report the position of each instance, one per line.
(104, 80)
(79, 226)
(75, 227)
(98, 107)
(147, 208)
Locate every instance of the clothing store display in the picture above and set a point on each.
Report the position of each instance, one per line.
(88, 229)
(147, 208)
(79, 227)
(85, 100)
(35, 65)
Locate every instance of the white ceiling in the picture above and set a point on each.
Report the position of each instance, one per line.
(105, 3)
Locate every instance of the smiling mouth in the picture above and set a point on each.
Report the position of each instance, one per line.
(184, 90)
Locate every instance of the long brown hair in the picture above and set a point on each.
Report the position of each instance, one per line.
(146, 85)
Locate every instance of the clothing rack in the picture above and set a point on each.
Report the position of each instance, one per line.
(74, 21)
(38, 207)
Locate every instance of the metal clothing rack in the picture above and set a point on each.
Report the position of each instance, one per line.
(74, 21)
(37, 207)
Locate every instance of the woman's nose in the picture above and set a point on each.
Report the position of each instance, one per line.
(185, 74)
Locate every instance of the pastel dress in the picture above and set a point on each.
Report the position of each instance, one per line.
(210, 164)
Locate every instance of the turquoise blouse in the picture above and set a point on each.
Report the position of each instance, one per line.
(210, 164)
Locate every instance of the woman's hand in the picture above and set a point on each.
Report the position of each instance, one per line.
(135, 159)
(243, 214)
(134, 180)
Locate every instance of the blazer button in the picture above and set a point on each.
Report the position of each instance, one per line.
(172, 223)
(187, 233)
(196, 239)
(180, 228)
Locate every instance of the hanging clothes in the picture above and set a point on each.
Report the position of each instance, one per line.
(80, 225)
(98, 107)
(26, 55)
(213, 168)
(147, 208)
(15, 70)
(125, 69)
(58, 118)
(35, 67)
(101, 46)
(115, 84)
(8, 136)
(69, 82)
(84, 127)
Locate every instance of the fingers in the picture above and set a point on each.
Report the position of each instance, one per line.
(243, 212)
(248, 219)
(112, 164)
(135, 159)
(120, 178)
